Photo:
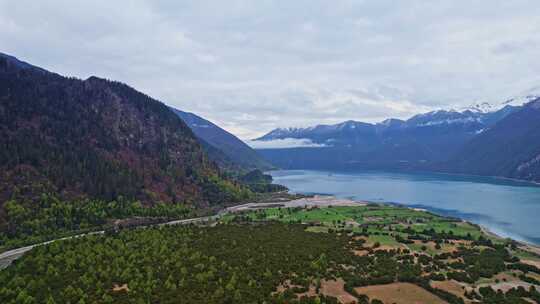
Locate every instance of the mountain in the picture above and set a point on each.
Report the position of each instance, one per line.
(511, 148)
(391, 144)
(226, 149)
(525, 97)
(517, 100)
(97, 138)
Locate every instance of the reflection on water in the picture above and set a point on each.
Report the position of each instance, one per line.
(509, 208)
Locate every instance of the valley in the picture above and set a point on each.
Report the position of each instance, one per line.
(304, 250)
(269, 152)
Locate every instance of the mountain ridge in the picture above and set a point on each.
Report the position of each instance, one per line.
(511, 148)
(236, 154)
(444, 140)
(97, 138)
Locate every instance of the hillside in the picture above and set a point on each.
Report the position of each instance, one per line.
(392, 144)
(284, 253)
(511, 148)
(96, 138)
(237, 153)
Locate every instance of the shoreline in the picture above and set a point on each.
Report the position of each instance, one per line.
(309, 201)
(315, 200)
(405, 171)
(523, 245)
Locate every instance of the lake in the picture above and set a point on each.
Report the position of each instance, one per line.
(508, 208)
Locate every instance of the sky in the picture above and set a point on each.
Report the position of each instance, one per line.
(252, 66)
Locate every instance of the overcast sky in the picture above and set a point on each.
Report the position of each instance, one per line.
(251, 66)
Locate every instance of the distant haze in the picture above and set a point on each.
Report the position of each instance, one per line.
(252, 66)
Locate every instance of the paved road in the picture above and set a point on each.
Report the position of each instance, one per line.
(9, 256)
(6, 258)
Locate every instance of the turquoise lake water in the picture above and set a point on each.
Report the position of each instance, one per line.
(508, 208)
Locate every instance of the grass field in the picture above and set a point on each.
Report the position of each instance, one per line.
(381, 224)
(372, 217)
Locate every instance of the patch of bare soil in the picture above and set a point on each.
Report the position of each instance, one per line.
(461, 242)
(450, 286)
(329, 288)
(506, 286)
(532, 262)
(352, 223)
(323, 201)
(118, 288)
(387, 247)
(530, 248)
(403, 293)
(310, 293)
(337, 289)
(360, 252)
(284, 286)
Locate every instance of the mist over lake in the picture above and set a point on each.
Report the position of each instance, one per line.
(508, 208)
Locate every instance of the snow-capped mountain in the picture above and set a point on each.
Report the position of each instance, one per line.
(442, 140)
(474, 118)
(444, 117)
(525, 97)
(482, 107)
(468, 121)
(513, 101)
(510, 148)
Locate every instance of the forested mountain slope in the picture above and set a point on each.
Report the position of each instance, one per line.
(235, 150)
(97, 138)
(511, 148)
(392, 144)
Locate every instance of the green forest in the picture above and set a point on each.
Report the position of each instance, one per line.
(246, 259)
(49, 217)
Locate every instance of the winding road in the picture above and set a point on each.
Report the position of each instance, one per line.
(7, 257)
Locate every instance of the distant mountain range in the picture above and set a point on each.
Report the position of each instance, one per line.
(223, 147)
(510, 148)
(100, 139)
(483, 139)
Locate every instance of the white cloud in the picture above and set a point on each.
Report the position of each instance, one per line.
(251, 66)
(284, 143)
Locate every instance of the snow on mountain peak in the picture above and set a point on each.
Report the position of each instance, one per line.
(515, 101)
(523, 98)
(481, 107)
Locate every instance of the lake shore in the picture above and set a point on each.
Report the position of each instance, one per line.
(330, 200)
(505, 206)
(525, 246)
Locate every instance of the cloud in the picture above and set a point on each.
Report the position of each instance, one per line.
(252, 66)
(284, 143)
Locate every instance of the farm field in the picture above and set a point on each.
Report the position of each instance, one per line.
(403, 293)
(348, 254)
(376, 219)
(444, 248)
